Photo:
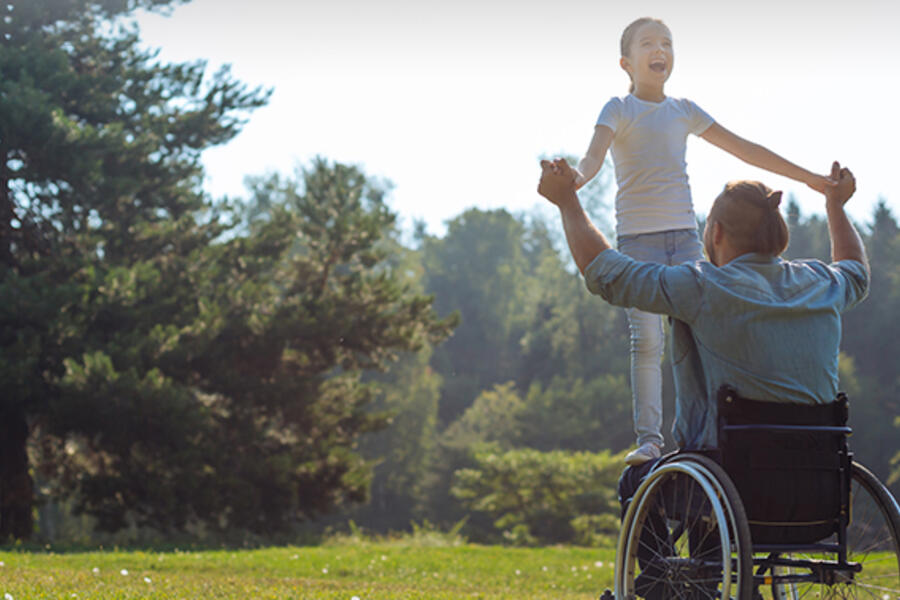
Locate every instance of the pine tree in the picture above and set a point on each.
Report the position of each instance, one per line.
(99, 194)
(167, 362)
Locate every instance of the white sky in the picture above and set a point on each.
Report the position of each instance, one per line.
(455, 100)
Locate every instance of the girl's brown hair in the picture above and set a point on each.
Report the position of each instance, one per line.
(629, 33)
(748, 212)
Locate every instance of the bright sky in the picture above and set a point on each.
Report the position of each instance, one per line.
(454, 101)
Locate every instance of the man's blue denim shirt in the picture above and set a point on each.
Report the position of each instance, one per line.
(768, 327)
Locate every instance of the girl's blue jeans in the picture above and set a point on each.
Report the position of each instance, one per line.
(647, 333)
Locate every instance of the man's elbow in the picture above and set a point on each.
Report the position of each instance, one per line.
(857, 255)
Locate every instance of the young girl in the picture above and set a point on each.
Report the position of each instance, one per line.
(655, 219)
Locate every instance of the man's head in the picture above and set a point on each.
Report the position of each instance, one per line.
(743, 219)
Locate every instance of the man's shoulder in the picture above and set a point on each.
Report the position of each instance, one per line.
(792, 276)
(825, 269)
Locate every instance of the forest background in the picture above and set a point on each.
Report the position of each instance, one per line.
(261, 369)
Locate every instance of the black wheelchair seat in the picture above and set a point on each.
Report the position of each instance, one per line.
(790, 463)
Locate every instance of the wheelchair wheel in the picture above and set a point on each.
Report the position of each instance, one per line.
(873, 541)
(685, 536)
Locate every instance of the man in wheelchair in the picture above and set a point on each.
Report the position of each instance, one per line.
(768, 327)
(745, 324)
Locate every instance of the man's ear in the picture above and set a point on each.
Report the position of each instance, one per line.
(718, 232)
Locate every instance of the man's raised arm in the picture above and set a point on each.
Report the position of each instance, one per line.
(558, 186)
(845, 241)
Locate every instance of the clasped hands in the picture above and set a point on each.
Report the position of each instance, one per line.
(557, 182)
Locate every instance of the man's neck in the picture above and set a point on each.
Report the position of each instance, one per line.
(724, 252)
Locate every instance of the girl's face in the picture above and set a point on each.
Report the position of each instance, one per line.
(650, 55)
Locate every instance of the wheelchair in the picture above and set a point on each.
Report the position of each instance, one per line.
(779, 511)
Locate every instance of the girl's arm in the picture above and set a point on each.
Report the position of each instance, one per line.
(593, 160)
(761, 157)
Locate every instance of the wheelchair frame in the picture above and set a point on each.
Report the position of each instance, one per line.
(732, 566)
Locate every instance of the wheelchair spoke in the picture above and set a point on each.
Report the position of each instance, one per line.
(674, 548)
(873, 543)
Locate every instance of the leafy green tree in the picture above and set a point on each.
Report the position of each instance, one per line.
(570, 333)
(867, 335)
(100, 152)
(404, 451)
(493, 417)
(249, 415)
(577, 415)
(809, 234)
(480, 269)
(565, 415)
(527, 321)
(544, 497)
(525, 315)
(174, 363)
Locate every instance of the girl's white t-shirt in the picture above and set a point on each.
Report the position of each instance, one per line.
(648, 151)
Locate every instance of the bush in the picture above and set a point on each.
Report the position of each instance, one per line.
(538, 497)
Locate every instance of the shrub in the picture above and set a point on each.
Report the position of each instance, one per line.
(544, 497)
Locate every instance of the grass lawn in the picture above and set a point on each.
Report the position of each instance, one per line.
(344, 571)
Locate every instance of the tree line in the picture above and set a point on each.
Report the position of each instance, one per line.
(225, 367)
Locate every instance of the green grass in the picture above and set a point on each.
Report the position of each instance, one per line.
(343, 570)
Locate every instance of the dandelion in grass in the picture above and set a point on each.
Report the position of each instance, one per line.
(355, 598)
(544, 569)
(599, 564)
(2, 564)
(95, 570)
(518, 572)
(147, 580)
(8, 597)
(124, 572)
(325, 571)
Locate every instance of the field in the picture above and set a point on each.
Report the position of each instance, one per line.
(338, 571)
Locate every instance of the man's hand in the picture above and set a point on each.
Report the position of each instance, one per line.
(845, 241)
(557, 182)
(846, 185)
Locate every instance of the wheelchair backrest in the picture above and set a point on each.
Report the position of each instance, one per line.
(790, 463)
